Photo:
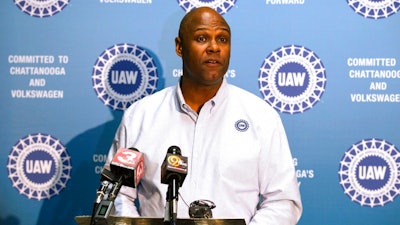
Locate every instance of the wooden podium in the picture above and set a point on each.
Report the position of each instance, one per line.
(111, 220)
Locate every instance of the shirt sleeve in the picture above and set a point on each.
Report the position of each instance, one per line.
(280, 202)
(124, 204)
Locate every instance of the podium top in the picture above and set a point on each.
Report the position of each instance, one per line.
(112, 220)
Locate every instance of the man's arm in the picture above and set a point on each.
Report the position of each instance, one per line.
(280, 202)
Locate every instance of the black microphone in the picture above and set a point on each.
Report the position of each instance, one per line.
(175, 166)
(127, 168)
(107, 175)
(173, 172)
(103, 209)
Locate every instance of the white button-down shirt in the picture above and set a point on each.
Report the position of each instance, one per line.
(237, 151)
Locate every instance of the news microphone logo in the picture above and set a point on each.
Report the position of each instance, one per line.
(130, 164)
(175, 161)
(174, 166)
(127, 168)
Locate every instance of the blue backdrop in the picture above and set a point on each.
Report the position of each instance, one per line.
(69, 68)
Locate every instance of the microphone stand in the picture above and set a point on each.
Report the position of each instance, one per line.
(173, 172)
(104, 208)
(171, 207)
(100, 195)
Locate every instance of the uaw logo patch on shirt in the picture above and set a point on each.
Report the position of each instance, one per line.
(221, 6)
(39, 166)
(374, 9)
(369, 172)
(41, 8)
(123, 74)
(242, 125)
(292, 79)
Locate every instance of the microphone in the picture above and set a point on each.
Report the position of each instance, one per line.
(173, 172)
(103, 209)
(107, 177)
(175, 166)
(127, 168)
(129, 164)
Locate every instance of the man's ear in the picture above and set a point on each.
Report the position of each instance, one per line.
(178, 46)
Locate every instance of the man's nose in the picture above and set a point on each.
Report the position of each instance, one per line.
(213, 46)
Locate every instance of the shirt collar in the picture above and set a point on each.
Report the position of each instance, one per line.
(218, 98)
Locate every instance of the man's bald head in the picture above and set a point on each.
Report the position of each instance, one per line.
(195, 14)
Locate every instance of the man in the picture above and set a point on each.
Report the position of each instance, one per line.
(235, 143)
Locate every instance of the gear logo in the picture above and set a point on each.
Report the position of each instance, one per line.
(374, 9)
(41, 8)
(369, 172)
(123, 74)
(242, 125)
(221, 6)
(292, 79)
(39, 166)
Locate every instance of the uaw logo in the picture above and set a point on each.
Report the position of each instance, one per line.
(41, 8)
(375, 9)
(39, 166)
(369, 172)
(123, 74)
(292, 79)
(221, 6)
(241, 125)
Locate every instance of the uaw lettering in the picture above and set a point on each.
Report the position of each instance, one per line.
(221, 6)
(39, 166)
(369, 173)
(40, 8)
(123, 74)
(381, 72)
(373, 9)
(292, 79)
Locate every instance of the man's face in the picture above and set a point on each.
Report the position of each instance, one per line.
(205, 48)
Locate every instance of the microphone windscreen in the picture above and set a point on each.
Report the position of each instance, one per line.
(174, 150)
(129, 164)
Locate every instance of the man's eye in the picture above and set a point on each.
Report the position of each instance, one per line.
(201, 39)
(223, 39)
